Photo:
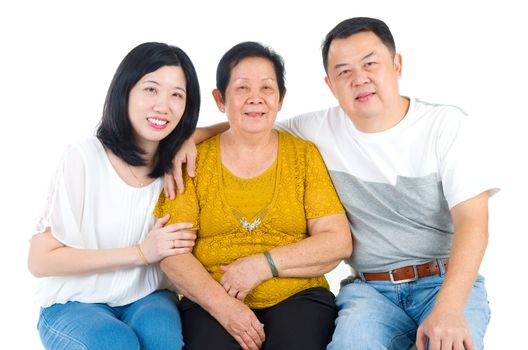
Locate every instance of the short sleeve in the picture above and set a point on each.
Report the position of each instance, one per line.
(304, 126)
(183, 208)
(320, 197)
(464, 162)
(64, 205)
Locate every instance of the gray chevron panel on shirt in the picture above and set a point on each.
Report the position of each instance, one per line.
(395, 226)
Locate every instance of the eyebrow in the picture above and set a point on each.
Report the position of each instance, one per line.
(245, 78)
(156, 83)
(362, 59)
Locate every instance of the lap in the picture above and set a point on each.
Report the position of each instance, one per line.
(156, 321)
(303, 321)
(390, 314)
(149, 323)
(77, 325)
(367, 319)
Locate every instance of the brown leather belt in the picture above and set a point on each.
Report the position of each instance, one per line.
(408, 273)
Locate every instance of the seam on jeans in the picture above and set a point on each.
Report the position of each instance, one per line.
(406, 334)
(61, 334)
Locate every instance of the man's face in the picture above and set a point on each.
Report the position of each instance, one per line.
(363, 76)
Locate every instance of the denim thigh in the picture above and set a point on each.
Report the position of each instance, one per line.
(156, 321)
(368, 319)
(476, 312)
(81, 326)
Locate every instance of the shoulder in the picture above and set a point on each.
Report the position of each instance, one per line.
(439, 113)
(298, 150)
(289, 141)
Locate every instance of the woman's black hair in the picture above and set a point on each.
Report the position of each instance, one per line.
(244, 50)
(115, 130)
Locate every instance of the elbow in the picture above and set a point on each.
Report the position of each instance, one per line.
(35, 268)
(345, 246)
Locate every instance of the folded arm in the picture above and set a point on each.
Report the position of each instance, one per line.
(328, 243)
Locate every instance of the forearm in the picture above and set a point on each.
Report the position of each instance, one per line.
(66, 261)
(204, 133)
(194, 282)
(312, 256)
(470, 220)
(466, 255)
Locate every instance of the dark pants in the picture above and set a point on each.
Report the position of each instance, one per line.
(304, 321)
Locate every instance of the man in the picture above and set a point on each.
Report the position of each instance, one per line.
(416, 198)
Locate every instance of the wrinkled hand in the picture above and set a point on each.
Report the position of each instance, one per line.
(244, 274)
(240, 321)
(445, 330)
(163, 241)
(187, 155)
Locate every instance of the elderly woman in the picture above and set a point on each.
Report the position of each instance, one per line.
(268, 218)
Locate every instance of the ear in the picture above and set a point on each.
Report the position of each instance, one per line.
(398, 64)
(329, 84)
(282, 99)
(219, 100)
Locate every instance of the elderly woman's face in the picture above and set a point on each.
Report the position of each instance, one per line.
(252, 98)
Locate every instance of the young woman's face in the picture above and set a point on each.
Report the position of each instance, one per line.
(156, 104)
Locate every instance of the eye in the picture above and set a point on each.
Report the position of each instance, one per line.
(370, 64)
(343, 72)
(178, 95)
(150, 89)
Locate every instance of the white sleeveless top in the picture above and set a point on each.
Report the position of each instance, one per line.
(89, 206)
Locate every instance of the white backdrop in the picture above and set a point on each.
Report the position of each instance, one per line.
(57, 59)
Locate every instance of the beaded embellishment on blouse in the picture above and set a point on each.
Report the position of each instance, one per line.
(246, 225)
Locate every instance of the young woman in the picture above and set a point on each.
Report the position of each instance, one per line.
(97, 245)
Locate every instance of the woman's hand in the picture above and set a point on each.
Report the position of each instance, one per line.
(187, 155)
(163, 241)
(244, 274)
(240, 321)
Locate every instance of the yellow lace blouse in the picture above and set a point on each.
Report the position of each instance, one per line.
(295, 188)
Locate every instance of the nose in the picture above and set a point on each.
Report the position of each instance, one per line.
(161, 104)
(255, 98)
(360, 78)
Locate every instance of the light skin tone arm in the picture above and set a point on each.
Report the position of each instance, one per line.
(446, 327)
(187, 155)
(329, 242)
(193, 281)
(49, 257)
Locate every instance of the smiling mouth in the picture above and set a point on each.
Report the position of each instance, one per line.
(254, 114)
(156, 121)
(365, 96)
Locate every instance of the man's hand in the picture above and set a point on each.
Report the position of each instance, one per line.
(446, 330)
(186, 155)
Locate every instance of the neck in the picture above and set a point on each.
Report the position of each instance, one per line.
(381, 122)
(244, 142)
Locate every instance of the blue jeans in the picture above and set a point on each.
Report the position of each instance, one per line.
(382, 315)
(152, 322)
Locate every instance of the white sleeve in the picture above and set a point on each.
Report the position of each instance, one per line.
(305, 126)
(65, 201)
(465, 164)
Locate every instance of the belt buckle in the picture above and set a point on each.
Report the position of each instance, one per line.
(412, 279)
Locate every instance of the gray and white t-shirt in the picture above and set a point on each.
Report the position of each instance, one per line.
(399, 185)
